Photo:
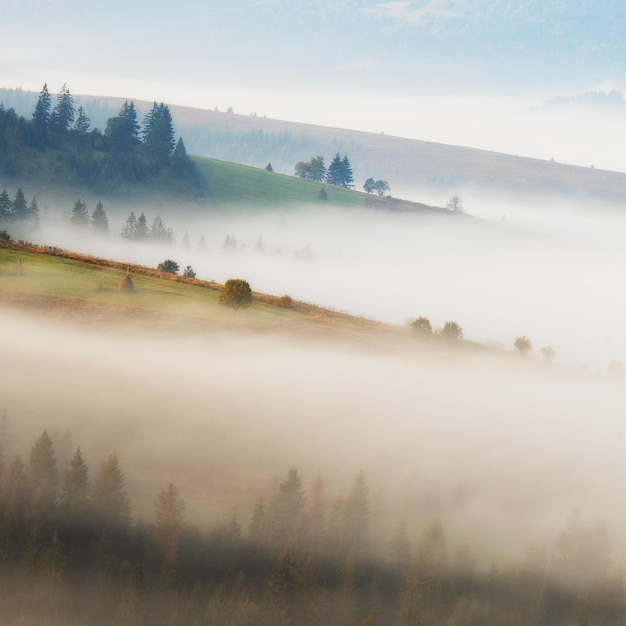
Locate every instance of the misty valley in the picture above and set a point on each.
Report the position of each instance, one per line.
(228, 398)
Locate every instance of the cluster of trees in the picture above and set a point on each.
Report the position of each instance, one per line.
(70, 553)
(18, 209)
(97, 220)
(524, 344)
(126, 150)
(338, 173)
(381, 187)
(137, 229)
(450, 330)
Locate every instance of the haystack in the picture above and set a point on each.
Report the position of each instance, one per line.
(126, 284)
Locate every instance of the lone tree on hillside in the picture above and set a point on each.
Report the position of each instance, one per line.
(455, 204)
(523, 344)
(422, 326)
(236, 293)
(548, 353)
(451, 331)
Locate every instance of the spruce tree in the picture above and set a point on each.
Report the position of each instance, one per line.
(99, 220)
(79, 215)
(43, 473)
(20, 206)
(129, 230)
(62, 116)
(158, 134)
(110, 499)
(6, 206)
(41, 117)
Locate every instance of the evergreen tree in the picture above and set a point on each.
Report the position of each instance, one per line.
(74, 502)
(129, 230)
(33, 210)
(334, 175)
(62, 116)
(109, 496)
(6, 206)
(182, 165)
(346, 171)
(159, 232)
(20, 206)
(79, 215)
(288, 506)
(81, 129)
(158, 134)
(169, 514)
(43, 473)
(99, 220)
(41, 117)
(141, 231)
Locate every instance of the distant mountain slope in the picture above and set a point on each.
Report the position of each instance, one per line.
(410, 166)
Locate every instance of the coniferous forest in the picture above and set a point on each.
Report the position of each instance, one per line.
(73, 552)
(124, 151)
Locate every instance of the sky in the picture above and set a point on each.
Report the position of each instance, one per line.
(480, 73)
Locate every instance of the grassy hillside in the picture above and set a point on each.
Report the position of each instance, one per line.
(56, 282)
(233, 184)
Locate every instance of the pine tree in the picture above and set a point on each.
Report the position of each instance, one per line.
(347, 175)
(99, 220)
(129, 230)
(334, 173)
(41, 117)
(110, 499)
(182, 165)
(169, 514)
(158, 134)
(62, 116)
(20, 206)
(74, 503)
(141, 230)
(6, 206)
(33, 210)
(43, 473)
(79, 215)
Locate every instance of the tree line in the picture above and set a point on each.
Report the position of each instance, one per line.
(125, 151)
(71, 552)
(339, 172)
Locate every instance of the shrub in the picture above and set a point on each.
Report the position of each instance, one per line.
(523, 344)
(236, 293)
(451, 331)
(422, 325)
(285, 302)
(169, 266)
(188, 272)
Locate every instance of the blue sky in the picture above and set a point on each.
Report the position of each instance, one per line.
(458, 71)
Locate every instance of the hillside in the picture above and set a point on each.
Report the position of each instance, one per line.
(84, 289)
(412, 167)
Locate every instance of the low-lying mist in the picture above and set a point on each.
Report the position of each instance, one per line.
(502, 449)
(547, 271)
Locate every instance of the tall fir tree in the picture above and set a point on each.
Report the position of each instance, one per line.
(62, 117)
(79, 215)
(41, 117)
(99, 220)
(158, 134)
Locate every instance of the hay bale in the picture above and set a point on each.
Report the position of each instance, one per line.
(126, 284)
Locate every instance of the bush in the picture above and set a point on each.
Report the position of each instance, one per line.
(169, 266)
(236, 293)
(188, 272)
(285, 302)
(422, 325)
(523, 344)
(451, 331)
(4, 236)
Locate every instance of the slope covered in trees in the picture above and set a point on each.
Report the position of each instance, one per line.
(126, 151)
(73, 552)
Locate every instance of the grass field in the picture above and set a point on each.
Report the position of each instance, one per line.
(41, 280)
(237, 185)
